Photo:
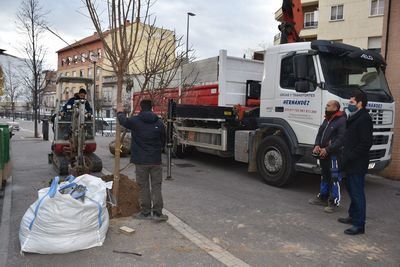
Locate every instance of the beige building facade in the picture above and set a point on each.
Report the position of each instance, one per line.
(354, 22)
(75, 60)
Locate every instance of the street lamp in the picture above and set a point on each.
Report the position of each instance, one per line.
(189, 14)
(94, 57)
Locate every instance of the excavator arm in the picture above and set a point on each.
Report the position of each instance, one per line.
(292, 21)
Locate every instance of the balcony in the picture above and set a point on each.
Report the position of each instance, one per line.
(309, 2)
(277, 38)
(109, 79)
(310, 24)
(278, 14)
(308, 33)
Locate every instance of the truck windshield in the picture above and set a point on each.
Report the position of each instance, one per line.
(344, 74)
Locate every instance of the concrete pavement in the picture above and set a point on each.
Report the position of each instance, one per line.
(218, 200)
(159, 243)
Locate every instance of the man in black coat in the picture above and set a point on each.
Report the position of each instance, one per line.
(356, 145)
(80, 95)
(148, 140)
(328, 148)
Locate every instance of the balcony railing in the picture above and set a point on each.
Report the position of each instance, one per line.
(310, 24)
(277, 37)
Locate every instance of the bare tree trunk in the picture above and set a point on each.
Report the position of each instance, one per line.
(120, 80)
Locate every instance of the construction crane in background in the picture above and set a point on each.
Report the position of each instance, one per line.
(292, 21)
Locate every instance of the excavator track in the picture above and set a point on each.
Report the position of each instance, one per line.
(94, 162)
(60, 164)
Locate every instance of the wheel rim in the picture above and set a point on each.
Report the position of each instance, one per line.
(273, 161)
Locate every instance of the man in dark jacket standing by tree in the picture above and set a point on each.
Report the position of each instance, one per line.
(356, 145)
(148, 140)
(328, 147)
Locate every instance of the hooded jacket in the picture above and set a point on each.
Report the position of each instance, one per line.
(331, 132)
(148, 137)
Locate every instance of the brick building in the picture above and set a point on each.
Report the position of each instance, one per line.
(391, 52)
(75, 60)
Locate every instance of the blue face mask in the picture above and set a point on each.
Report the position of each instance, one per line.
(352, 107)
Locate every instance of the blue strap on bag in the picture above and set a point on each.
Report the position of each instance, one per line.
(51, 193)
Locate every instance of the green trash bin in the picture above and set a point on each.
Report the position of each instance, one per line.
(6, 143)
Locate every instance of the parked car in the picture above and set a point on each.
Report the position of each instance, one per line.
(14, 125)
(106, 126)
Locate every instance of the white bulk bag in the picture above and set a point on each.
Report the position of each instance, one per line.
(58, 223)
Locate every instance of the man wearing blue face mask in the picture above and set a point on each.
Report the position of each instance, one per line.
(356, 145)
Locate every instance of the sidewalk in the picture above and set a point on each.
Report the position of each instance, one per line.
(159, 243)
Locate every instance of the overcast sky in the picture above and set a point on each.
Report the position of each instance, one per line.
(234, 25)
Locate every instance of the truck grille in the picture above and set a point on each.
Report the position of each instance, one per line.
(380, 140)
(381, 117)
(376, 154)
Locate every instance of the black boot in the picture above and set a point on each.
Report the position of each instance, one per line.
(354, 230)
(347, 220)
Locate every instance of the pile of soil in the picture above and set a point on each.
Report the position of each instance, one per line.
(128, 197)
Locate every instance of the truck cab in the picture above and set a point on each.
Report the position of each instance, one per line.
(299, 79)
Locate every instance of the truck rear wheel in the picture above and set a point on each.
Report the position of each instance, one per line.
(274, 161)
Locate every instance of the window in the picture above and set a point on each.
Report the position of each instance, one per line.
(377, 7)
(74, 74)
(337, 12)
(287, 79)
(67, 74)
(374, 43)
(81, 73)
(310, 20)
(75, 59)
(99, 52)
(89, 72)
(83, 57)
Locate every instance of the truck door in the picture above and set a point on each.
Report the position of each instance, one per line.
(301, 110)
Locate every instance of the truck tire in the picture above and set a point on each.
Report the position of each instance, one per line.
(274, 161)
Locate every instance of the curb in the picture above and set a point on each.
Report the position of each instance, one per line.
(5, 223)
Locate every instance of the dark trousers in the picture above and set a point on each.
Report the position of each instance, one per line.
(149, 178)
(355, 187)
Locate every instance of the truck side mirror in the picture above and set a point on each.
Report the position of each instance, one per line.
(303, 86)
(300, 66)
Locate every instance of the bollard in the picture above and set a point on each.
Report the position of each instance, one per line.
(45, 129)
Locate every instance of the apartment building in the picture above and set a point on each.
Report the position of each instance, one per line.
(355, 22)
(80, 60)
(76, 60)
(48, 95)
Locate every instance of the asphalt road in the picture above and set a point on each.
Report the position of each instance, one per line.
(269, 226)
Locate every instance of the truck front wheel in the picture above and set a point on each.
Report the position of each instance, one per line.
(274, 161)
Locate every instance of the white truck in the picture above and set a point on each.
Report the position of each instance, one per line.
(268, 115)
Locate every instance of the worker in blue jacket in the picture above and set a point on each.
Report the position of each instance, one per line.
(148, 140)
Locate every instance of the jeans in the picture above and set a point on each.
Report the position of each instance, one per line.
(357, 209)
(149, 178)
